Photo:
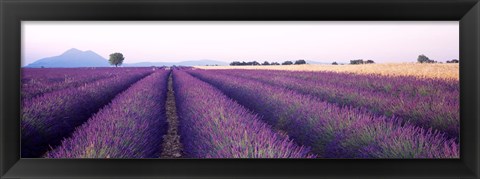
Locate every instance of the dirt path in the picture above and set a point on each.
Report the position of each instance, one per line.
(172, 148)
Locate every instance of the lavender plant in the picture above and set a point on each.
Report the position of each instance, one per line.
(38, 81)
(426, 103)
(214, 126)
(332, 131)
(131, 126)
(47, 119)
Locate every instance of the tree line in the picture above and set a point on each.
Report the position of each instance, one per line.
(421, 59)
(424, 59)
(118, 58)
(255, 63)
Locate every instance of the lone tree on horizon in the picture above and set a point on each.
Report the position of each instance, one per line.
(424, 59)
(116, 59)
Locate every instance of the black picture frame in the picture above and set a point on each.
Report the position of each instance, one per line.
(12, 12)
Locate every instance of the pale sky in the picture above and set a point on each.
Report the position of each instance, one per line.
(174, 41)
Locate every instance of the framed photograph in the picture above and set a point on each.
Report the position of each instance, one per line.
(239, 89)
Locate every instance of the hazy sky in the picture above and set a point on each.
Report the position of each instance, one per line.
(383, 42)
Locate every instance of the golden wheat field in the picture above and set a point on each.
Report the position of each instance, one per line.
(437, 70)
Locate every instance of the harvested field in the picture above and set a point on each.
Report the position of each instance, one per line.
(440, 71)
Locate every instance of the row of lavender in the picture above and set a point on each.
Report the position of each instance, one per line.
(426, 103)
(49, 118)
(38, 81)
(131, 126)
(332, 131)
(214, 126)
(133, 123)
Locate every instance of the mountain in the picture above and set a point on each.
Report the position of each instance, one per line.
(77, 58)
(71, 58)
(182, 63)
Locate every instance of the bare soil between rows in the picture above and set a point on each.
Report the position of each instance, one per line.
(171, 147)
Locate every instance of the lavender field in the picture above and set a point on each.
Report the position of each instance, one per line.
(185, 112)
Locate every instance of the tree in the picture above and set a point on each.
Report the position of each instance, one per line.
(299, 62)
(243, 63)
(287, 63)
(424, 59)
(274, 63)
(116, 59)
(356, 62)
(235, 63)
(265, 63)
(453, 61)
(369, 62)
(334, 63)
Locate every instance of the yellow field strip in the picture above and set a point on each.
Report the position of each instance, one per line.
(441, 71)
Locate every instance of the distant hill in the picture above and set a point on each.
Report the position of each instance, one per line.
(182, 63)
(76, 58)
(71, 58)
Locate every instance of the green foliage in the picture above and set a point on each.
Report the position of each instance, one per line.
(116, 59)
(299, 62)
(361, 61)
(424, 59)
(356, 62)
(237, 63)
(453, 61)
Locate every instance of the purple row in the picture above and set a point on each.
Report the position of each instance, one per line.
(332, 131)
(214, 126)
(47, 119)
(37, 81)
(439, 110)
(131, 126)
